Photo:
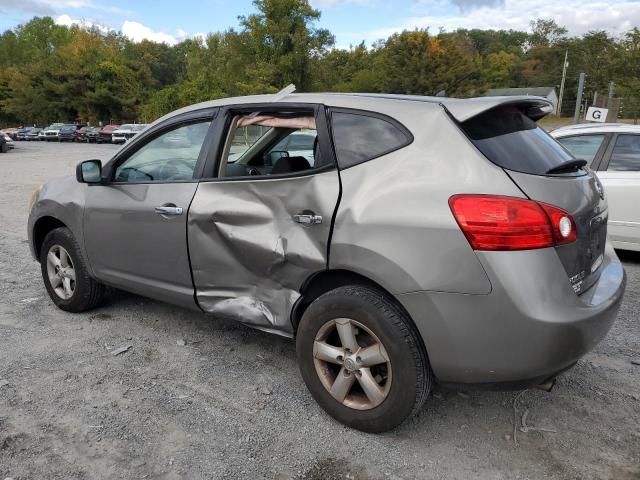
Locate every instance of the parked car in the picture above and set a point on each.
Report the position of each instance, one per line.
(127, 132)
(11, 132)
(51, 132)
(33, 134)
(430, 239)
(67, 133)
(613, 151)
(7, 139)
(92, 135)
(4, 146)
(80, 135)
(22, 133)
(105, 134)
(299, 144)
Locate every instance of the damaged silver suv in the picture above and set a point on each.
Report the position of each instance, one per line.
(400, 240)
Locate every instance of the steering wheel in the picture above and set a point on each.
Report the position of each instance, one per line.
(126, 170)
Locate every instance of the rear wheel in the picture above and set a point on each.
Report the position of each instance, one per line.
(65, 273)
(362, 359)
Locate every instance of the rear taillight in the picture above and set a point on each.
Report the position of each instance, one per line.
(492, 222)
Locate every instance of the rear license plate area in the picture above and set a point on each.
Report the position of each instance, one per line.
(597, 241)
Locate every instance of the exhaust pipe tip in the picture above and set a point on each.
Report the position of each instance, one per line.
(548, 385)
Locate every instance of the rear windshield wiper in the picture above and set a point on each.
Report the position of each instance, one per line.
(570, 166)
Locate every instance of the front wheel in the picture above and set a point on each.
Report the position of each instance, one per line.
(65, 273)
(362, 358)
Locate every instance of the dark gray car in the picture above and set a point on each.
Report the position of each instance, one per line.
(426, 239)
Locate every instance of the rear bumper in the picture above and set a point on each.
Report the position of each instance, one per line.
(531, 326)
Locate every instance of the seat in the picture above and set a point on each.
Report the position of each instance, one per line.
(290, 165)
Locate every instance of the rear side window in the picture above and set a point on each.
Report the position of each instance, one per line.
(626, 154)
(583, 146)
(513, 141)
(359, 137)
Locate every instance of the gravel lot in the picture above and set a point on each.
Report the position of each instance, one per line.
(197, 397)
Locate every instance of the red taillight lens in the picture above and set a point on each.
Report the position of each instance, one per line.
(562, 224)
(492, 222)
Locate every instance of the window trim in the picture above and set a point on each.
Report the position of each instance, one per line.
(141, 140)
(221, 131)
(609, 153)
(367, 113)
(597, 159)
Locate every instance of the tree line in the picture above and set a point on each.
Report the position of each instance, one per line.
(51, 72)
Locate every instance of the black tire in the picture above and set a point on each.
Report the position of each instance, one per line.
(87, 293)
(411, 374)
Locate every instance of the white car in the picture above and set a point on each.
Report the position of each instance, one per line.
(613, 151)
(299, 144)
(126, 132)
(50, 134)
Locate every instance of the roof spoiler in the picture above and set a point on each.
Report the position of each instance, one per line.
(464, 109)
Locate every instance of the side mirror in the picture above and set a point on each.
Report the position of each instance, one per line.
(89, 171)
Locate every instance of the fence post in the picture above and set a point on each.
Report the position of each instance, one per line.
(576, 115)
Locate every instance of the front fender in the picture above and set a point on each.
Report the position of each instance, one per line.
(62, 199)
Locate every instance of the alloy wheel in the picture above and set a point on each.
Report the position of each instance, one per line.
(352, 364)
(61, 273)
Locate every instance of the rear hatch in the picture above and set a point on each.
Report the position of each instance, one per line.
(546, 172)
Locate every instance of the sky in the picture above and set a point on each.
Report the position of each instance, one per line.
(351, 21)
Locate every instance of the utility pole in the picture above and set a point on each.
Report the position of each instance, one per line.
(576, 115)
(612, 89)
(564, 77)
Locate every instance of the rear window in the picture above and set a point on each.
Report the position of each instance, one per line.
(513, 141)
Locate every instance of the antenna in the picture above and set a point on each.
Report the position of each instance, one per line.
(284, 92)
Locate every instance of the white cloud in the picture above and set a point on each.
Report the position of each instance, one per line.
(134, 30)
(578, 16)
(67, 21)
(137, 32)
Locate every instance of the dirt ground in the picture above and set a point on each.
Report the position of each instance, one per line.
(196, 397)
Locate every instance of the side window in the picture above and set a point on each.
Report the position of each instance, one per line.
(260, 145)
(360, 137)
(626, 154)
(584, 147)
(170, 157)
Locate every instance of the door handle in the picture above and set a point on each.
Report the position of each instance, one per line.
(168, 210)
(307, 219)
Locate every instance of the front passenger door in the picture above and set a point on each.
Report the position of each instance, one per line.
(135, 225)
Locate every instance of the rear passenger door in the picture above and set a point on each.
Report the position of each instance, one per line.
(260, 222)
(620, 175)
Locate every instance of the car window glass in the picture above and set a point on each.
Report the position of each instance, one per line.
(359, 138)
(269, 145)
(511, 140)
(170, 157)
(583, 146)
(626, 154)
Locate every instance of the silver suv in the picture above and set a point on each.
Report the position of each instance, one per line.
(425, 239)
